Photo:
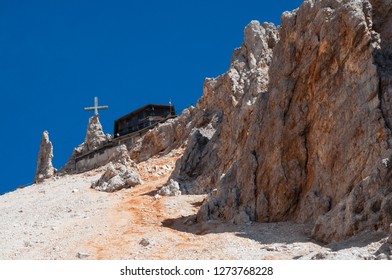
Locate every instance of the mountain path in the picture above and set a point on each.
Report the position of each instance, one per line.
(63, 218)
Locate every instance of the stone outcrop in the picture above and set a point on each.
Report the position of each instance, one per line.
(120, 172)
(117, 176)
(223, 114)
(95, 136)
(298, 128)
(363, 197)
(94, 139)
(45, 168)
(121, 155)
(163, 138)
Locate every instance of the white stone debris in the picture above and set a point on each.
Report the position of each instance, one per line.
(385, 161)
(116, 177)
(172, 189)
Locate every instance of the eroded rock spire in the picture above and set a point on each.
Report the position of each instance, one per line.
(45, 168)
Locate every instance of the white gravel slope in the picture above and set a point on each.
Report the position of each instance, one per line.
(63, 218)
(49, 220)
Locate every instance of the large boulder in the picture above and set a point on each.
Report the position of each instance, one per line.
(116, 177)
(171, 189)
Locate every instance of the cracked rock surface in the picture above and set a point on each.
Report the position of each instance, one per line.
(300, 123)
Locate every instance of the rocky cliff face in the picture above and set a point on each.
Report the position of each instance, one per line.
(299, 127)
(45, 168)
(368, 204)
(223, 115)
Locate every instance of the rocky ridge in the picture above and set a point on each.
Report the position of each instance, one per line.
(222, 119)
(298, 128)
(316, 148)
(295, 135)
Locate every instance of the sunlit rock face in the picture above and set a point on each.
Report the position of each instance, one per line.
(298, 128)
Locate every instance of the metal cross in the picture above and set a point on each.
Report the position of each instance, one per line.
(96, 107)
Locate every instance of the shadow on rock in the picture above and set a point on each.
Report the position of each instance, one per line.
(264, 233)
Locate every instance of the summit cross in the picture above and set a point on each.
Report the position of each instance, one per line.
(96, 107)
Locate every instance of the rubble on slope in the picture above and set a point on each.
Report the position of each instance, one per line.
(117, 176)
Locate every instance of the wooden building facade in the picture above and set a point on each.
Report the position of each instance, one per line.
(141, 118)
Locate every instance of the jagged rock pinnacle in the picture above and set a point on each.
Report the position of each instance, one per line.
(94, 139)
(45, 168)
(95, 136)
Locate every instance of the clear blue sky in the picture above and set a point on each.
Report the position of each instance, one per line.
(55, 56)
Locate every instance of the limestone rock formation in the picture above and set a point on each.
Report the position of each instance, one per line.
(116, 177)
(95, 136)
(298, 128)
(223, 114)
(94, 139)
(163, 138)
(121, 155)
(45, 168)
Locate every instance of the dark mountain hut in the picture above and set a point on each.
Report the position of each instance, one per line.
(144, 117)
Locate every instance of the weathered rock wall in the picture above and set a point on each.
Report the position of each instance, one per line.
(224, 112)
(299, 125)
(369, 204)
